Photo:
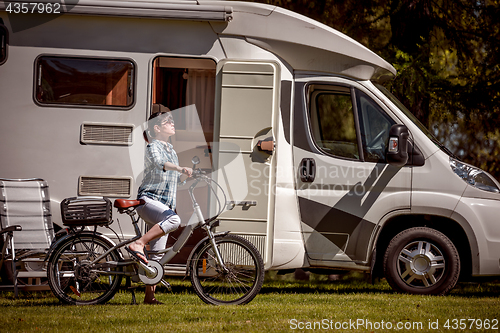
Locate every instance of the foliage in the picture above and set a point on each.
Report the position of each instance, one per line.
(447, 54)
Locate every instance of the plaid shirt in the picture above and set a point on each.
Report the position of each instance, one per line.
(158, 184)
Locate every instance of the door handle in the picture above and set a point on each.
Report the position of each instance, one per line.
(246, 204)
(266, 145)
(307, 170)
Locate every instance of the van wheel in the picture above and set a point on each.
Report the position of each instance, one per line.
(421, 261)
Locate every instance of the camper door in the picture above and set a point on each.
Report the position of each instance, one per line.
(344, 184)
(245, 153)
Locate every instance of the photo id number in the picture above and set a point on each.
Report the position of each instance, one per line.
(33, 7)
(471, 324)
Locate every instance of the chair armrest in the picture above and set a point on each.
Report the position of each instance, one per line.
(11, 228)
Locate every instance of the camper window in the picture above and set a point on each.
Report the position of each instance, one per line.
(3, 43)
(84, 81)
(332, 122)
(375, 126)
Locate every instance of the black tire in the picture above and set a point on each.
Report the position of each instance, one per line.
(240, 284)
(73, 280)
(422, 261)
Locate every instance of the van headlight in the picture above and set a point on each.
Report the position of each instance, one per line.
(474, 176)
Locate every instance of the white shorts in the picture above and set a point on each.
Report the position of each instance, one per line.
(154, 212)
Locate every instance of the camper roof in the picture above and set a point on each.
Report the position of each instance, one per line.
(305, 44)
(302, 42)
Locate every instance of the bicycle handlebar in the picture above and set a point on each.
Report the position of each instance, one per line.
(198, 173)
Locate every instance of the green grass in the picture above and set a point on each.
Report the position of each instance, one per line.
(282, 305)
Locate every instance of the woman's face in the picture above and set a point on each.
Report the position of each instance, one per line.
(165, 129)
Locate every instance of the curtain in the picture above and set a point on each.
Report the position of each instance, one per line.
(201, 93)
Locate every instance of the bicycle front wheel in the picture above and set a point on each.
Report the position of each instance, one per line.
(74, 279)
(241, 279)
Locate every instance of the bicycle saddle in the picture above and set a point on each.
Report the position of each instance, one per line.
(123, 204)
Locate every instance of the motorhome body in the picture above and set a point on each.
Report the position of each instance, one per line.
(291, 120)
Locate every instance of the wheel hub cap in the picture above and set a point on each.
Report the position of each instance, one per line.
(421, 264)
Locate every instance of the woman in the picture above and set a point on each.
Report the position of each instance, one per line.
(158, 190)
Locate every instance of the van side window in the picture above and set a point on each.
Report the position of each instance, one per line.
(4, 41)
(374, 125)
(332, 121)
(84, 81)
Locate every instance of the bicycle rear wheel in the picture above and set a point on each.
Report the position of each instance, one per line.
(242, 280)
(72, 277)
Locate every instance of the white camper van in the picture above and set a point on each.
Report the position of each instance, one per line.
(324, 169)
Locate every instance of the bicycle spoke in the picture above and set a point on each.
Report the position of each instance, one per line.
(236, 283)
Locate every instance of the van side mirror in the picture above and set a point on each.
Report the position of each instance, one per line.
(397, 151)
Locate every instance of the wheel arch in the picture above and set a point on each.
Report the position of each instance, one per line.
(452, 229)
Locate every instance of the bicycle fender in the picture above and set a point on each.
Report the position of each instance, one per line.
(199, 245)
(55, 245)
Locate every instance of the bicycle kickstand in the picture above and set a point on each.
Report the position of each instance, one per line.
(167, 285)
(128, 286)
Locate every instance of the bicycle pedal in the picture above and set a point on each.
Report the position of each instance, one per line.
(167, 285)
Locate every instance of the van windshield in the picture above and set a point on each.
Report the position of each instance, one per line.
(414, 119)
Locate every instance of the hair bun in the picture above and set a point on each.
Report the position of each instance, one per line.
(158, 109)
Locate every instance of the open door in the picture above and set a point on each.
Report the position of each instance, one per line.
(245, 162)
(187, 87)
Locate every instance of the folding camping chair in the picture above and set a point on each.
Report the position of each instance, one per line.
(26, 231)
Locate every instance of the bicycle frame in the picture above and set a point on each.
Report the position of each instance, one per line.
(196, 220)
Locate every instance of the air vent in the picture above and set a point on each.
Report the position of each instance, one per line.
(106, 134)
(258, 241)
(120, 187)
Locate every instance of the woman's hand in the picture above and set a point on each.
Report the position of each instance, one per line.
(187, 171)
(184, 170)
